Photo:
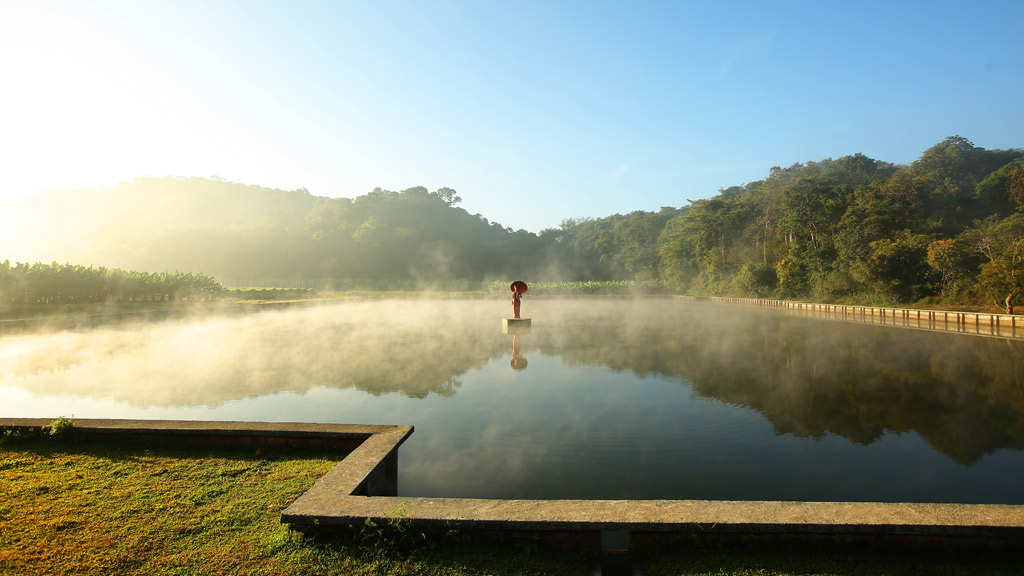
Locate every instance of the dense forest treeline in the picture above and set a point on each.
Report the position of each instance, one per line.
(947, 228)
(75, 284)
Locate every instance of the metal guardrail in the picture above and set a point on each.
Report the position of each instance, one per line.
(973, 323)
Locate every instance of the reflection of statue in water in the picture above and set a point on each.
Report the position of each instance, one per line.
(518, 289)
(518, 362)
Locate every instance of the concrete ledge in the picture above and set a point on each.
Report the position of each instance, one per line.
(335, 501)
(364, 485)
(369, 470)
(839, 518)
(293, 435)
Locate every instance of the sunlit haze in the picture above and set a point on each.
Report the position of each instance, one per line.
(603, 398)
(532, 111)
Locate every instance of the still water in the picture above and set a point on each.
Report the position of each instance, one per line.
(601, 399)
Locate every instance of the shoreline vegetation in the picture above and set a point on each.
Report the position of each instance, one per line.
(36, 291)
(76, 507)
(946, 230)
(30, 303)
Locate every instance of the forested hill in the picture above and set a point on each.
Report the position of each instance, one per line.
(232, 230)
(949, 226)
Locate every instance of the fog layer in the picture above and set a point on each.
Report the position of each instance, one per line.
(809, 378)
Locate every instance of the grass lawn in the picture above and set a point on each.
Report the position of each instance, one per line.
(76, 507)
(81, 508)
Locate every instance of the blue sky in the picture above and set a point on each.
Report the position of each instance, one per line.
(532, 111)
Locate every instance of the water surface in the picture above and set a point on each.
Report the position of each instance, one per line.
(601, 399)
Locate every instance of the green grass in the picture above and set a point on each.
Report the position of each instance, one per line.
(70, 507)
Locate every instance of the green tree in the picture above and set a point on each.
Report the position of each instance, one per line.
(1000, 242)
(699, 240)
(949, 174)
(448, 196)
(898, 268)
(950, 259)
(1003, 189)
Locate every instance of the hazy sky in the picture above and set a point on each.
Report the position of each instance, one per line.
(532, 111)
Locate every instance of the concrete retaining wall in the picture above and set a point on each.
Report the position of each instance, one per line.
(973, 323)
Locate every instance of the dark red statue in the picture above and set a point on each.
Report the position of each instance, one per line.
(518, 289)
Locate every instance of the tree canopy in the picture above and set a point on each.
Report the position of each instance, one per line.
(948, 227)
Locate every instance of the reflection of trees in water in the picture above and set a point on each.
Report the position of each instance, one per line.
(811, 377)
(808, 377)
(957, 392)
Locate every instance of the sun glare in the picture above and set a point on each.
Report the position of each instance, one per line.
(81, 102)
(87, 111)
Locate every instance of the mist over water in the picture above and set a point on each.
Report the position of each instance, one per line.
(618, 399)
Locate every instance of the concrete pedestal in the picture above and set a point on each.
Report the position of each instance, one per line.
(515, 325)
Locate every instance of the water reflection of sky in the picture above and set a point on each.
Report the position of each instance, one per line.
(615, 402)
